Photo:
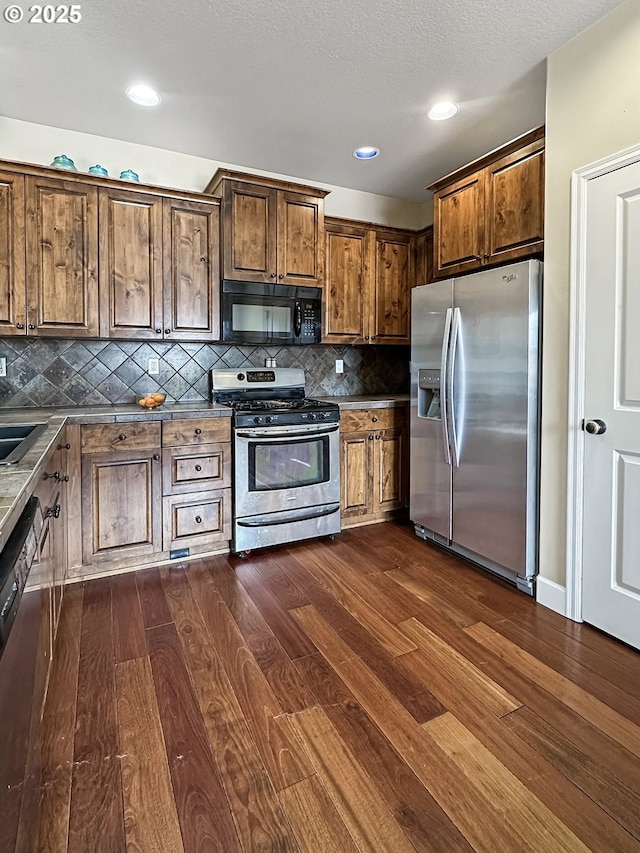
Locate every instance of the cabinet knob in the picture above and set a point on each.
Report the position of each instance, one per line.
(167, 331)
(198, 467)
(203, 260)
(65, 479)
(198, 519)
(31, 326)
(477, 257)
(273, 275)
(19, 325)
(54, 476)
(122, 437)
(158, 331)
(366, 337)
(66, 446)
(373, 337)
(486, 254)
(377, 438)
(374, 419)
(370, 437)
(281, 276)
(198, 431)
(156, 456)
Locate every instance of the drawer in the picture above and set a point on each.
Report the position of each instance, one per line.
(186, 469)
(137, 435)
(197, 520)
(195, 431)
(354, 420)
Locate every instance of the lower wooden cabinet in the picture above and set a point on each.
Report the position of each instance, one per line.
(374, 464)
(149, 488)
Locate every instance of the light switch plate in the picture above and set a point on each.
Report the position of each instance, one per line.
(3, 366)
(339, 365)
(154, 367)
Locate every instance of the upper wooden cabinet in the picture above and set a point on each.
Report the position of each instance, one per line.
(272, 231)
(62, 257)
(13, 309)
(491, 211)
(423, 256)
(87, 257)
(369, 277)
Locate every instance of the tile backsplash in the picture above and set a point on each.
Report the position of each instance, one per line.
(57, 372)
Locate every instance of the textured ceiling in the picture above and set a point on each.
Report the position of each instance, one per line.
(293, 86)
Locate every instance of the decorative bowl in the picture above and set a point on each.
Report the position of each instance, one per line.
(152, 401)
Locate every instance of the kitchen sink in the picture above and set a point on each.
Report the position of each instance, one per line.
(16, 439)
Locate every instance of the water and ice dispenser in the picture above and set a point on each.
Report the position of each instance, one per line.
(429, 394)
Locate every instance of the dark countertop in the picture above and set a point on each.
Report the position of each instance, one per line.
(17, 482)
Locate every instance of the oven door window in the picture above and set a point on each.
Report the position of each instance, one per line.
(288, 464)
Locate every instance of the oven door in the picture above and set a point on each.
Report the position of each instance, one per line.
(286, 468)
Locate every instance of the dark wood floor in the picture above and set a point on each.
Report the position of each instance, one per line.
(370, 693)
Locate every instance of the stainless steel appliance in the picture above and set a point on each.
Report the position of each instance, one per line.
(474, 417)
(256, 313)
(286, 457)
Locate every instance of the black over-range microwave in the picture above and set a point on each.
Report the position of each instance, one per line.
(256, 313)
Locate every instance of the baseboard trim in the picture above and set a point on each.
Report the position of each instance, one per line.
(550, 594)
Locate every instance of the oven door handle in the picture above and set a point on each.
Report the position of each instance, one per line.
(276, 432)
(266, 522)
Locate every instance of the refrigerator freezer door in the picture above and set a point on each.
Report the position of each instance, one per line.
(495, 409)
(430, 492)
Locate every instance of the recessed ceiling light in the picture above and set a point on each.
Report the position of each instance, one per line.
(443, 110)
(366, 152)
(143, 95)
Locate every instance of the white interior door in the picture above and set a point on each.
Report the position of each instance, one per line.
(611, 496)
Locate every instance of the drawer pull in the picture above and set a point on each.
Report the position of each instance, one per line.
(198, 519)
(198, 431)
(122, 437)
(198, 467)
(370, 437)
(377, 438)
(54, 476)
(66, 446)
(156, 456)
(374, 419)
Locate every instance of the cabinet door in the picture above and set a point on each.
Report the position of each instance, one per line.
(122, 505)
(393, 278)
(423, 254)
(13, 319)
(515, 205)
(300, 239)
(62, 258)
(191, 269)
(130, 265)
(458, 226)
(389, 487)
(249, 232)
(348, 285)
(356, 473)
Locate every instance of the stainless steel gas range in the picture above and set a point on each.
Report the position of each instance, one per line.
(286, 457)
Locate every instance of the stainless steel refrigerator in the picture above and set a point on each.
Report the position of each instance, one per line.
(474, 417)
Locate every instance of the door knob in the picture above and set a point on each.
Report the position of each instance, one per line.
(594, 427)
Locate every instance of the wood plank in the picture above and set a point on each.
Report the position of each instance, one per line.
(607, 720)
(259, 817)
(314, 818)
(451, 676)
(150, 817)
(419, 815)
(621, 802)
(152, 601)
(358, 642)
(477, 818)
(349, 787)
(96, 790)
(282, 754)
(203, 811)
(58, 725)
(280, 584)
(423, 589)
(536, 825)
(128, 624)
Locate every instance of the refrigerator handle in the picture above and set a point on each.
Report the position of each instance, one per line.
(444, 405)
(451, 371)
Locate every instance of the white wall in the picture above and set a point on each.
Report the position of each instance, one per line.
(36, 143)
(593, 110)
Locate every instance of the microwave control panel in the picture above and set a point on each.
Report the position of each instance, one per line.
(309, 321)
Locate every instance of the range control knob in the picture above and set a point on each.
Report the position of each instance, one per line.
(240, 377)
(322, 415)
(268, 419)
(257, 420)
(312, 416)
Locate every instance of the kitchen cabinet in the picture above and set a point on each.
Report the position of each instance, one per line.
(13, 307)
(374, 464)
(121, 491)
(423, 257)
(491, 211)
(62, 258)
(86, 257)
(272, 231)
(369, 278)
